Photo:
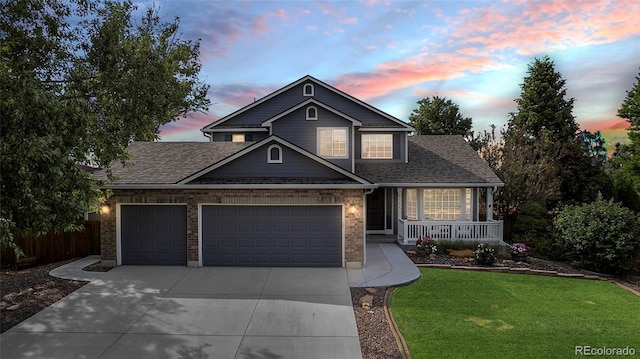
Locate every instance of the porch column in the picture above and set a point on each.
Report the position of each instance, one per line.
(400, 207)
(489, 204)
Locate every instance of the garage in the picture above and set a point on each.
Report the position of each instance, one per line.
(272, 235)
(153, 234)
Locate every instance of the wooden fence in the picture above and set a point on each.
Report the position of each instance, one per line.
(54, 247)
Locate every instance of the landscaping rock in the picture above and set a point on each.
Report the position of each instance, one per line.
(366, 301)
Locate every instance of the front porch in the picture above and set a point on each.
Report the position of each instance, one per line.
(444, 214)
(488, 231)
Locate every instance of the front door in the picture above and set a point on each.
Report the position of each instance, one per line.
(375, 210)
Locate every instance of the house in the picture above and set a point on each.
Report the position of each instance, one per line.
(300, 177)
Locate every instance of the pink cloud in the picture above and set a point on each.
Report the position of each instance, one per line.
(396, 75)
(238, 95)
(194, 120)
(546, 26)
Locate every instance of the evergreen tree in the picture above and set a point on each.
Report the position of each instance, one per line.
(542, 137)
(627, 157)
(542, 106)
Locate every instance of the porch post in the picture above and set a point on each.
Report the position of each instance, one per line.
(400, 206)
(489, 204)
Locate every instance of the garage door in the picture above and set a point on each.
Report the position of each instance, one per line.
(153, 234)
(278, 236)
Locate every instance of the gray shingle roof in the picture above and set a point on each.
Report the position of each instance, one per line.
(432, 160)
(169, 162)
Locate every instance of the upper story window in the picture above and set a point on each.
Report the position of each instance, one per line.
(307, 90)
(312, 113)
(332, 142)
(274, 154)
(238, 137)
(378, 146)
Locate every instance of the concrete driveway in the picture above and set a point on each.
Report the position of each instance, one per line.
(213, 312)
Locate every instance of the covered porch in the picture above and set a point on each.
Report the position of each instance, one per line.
(442, 213)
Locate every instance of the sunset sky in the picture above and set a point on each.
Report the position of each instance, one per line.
(393, 53)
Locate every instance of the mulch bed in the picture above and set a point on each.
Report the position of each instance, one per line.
(25, 292)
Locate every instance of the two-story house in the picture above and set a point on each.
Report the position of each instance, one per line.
(299, 177)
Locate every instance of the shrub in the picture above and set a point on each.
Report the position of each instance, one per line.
(485, 255)
(458, 244)
(600, 236)
(532, 226)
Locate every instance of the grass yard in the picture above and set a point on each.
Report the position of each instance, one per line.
(467, 314)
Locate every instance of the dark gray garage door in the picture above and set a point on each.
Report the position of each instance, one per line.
(154, 234)
(278, 236)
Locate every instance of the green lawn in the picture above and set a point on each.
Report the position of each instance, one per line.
(467, 314)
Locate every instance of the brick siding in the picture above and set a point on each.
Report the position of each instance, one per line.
(351, 199)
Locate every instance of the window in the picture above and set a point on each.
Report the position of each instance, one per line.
(238, 137)
(312, 113)
(307, 90)
(377, 146)
(447, 204)
(412, 204)
(274, 154)
(332, 142)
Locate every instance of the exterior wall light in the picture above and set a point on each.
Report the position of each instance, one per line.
(353, 209)
(105, 209)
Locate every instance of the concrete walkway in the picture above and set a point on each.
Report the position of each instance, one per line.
(386, 266)
(74, 270)
(208, 312)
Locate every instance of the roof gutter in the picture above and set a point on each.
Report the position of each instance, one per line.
(441, 185)
(242, 186)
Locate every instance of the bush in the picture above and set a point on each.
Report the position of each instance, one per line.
(532, 227)
(485, 255)
(600, 236)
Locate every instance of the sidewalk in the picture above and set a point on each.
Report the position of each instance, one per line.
(74, 270)
(386, 266)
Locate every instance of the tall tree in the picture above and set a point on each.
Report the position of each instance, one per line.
(627, 157)
(542, 106)
(544, 126)
(71, 94)
(439, 116)
(630, 110)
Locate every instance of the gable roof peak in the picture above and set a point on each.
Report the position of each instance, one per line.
(209, 128)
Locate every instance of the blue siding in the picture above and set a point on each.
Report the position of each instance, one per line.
(295, 128)
(254, 164)
(256, 136)
(294, 96)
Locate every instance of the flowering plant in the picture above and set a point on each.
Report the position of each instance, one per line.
(519, 249)
(485, 255)
(427, 243)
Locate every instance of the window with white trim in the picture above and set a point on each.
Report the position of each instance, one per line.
(274, 154)
(447, 204)
(377, 146)
(307, 90)
(332, 142)
(312, 113)
(412, 204)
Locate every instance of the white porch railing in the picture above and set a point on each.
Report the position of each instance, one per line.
(410, 231)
